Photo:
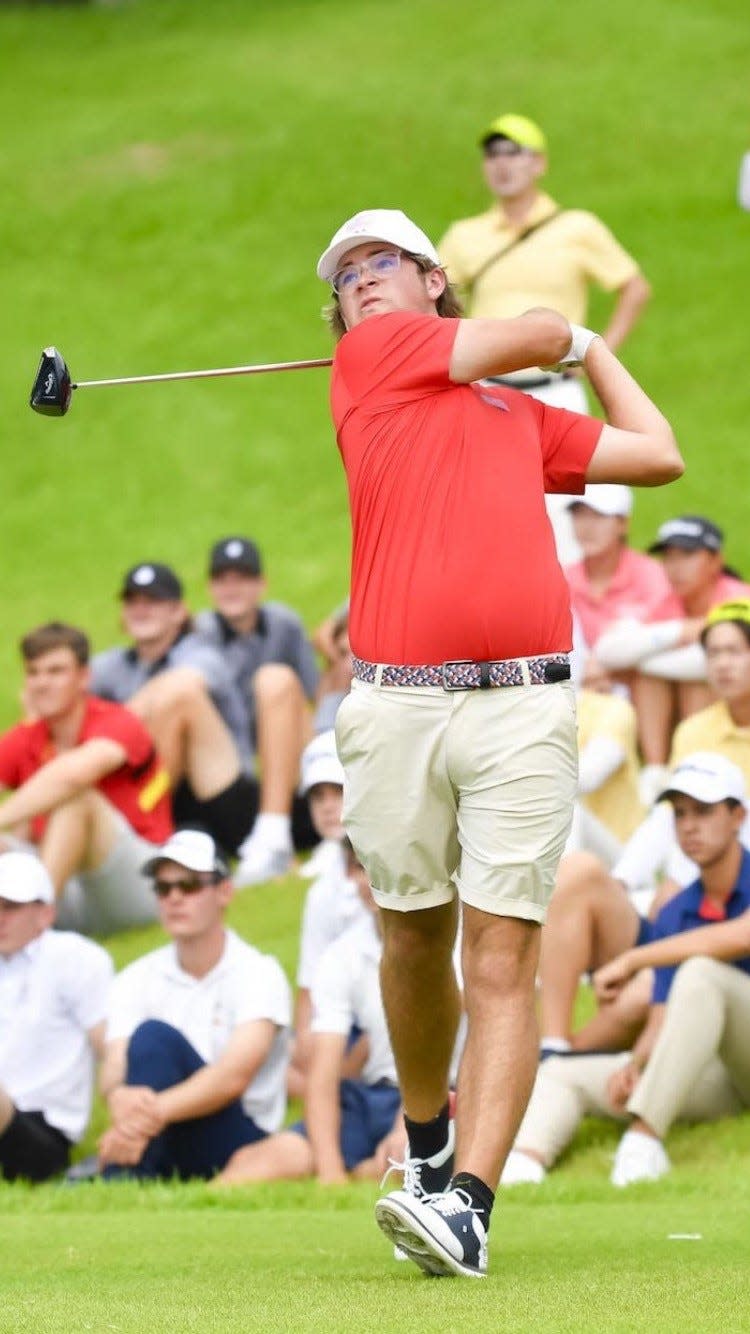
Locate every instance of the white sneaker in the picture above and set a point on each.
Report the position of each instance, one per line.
(442, 1234)
(260, 861)
(639, 1157)
(522, 1170)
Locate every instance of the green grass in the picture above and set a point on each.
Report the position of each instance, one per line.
(169, 172)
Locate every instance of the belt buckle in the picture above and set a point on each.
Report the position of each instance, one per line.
(455, 662)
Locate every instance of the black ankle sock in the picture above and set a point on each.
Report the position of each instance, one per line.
(427, 1137)
(482, 1198)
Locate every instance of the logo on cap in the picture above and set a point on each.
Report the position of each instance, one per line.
(144, 576)
(234, 549)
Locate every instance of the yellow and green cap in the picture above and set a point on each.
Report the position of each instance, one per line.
(518, 128)
(736, 610)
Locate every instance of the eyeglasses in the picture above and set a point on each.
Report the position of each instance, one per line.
(380, 265)
(163, 888)
(504, 148)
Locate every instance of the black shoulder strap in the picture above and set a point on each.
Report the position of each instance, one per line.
(522, 236)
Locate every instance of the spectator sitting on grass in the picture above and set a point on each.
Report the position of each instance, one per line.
(53, 1001)
(333, 901)
(184, 691)
(273, 664)
(351, 1125)
(668, 653)
(90, 787)
(197, 1033)
(335, 682)
(692, 1059)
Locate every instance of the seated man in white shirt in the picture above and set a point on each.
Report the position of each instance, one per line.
(53, 1001)
(351, 1126)
(197, 1034)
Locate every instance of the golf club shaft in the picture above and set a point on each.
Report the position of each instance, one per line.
(205, 375)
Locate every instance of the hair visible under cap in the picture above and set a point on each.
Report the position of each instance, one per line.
(448, 305)
(55, 634)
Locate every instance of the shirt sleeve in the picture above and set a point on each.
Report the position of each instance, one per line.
(396, 358)
(126, 1009)
(332, 1007)
(669, 922)
(265, 994)
(88, 983)
(568, 440)
(119, 724)
(605, 261)
(11, 743)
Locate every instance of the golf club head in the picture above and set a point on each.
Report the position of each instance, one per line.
(51, 390)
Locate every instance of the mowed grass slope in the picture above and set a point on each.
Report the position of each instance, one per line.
(170, 171)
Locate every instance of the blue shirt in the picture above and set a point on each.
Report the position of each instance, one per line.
(684, 913)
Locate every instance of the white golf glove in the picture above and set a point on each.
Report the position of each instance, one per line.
(579, 346)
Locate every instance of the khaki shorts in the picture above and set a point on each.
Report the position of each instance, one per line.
(114, 896)
(470, 790)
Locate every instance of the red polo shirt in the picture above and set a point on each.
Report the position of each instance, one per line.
(453, 554)
(139, 789)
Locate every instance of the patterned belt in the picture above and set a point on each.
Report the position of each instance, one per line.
(464, 674)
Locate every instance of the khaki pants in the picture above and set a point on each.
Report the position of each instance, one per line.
(699, 1069)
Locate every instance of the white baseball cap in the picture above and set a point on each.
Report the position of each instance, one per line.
(191, 848)
(707, 777)
(375, 224)
(320, 762)
(606, 498)
(23, 879)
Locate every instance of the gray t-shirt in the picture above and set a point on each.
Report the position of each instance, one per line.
(118, 673)
(278, 637)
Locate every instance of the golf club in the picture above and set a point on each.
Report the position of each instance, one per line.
(52, 389)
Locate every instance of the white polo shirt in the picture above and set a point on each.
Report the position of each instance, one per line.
(52, 992)
(331, 906)
(346, 991)
(245, 985)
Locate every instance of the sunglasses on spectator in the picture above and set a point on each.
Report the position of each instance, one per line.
(380, 265)
(163, 888)
(504, 148)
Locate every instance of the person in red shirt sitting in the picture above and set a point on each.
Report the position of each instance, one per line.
(88, 787)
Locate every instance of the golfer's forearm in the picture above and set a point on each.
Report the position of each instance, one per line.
(495, 347)
(627, 405)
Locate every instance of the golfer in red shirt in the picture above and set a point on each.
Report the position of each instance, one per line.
(458, 738)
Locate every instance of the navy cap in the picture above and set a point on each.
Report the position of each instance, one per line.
(235, 553)
(153, 580)
(690, 532)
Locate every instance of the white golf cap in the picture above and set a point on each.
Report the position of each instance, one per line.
(23, 879)
(375, 224)
(320, 762)
(191, 848)
(707, 777)
(606, 498)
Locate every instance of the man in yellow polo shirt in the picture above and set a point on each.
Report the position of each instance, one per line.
(526, 251)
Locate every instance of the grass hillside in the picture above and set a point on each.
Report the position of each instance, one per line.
(170, 171)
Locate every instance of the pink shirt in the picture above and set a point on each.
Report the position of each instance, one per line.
(726, 589)
(639, 589)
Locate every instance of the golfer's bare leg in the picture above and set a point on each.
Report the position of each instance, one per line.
(190, 735)
(283, 728)
(79, 836)
(499, 1063)
(421, 1002)
(590, 920)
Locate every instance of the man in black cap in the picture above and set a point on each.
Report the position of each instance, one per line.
(667, 654)
(183, 689)
(272, 662)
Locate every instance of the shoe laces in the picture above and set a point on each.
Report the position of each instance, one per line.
(411, 1170)
(456, 1201)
